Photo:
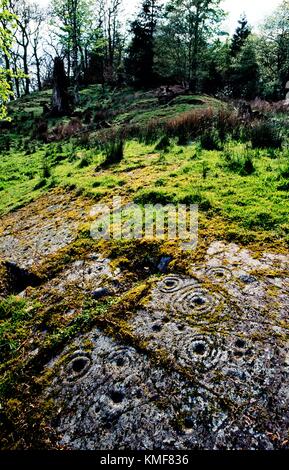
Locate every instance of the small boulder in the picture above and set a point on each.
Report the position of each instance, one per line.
(164, 263)
(100, 292)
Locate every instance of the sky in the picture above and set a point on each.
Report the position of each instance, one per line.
(255, 10)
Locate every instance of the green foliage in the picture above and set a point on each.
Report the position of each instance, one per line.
(182, 44)
(265, 135)
(236, 189)
(153, 196)
(141, 51)
(244, 72)
(196, 197)
(114, 152)
(163, 144)
(240, 163)
(46, 168)
(84, 162)
(242, 33)
(7, 23)
(284, 171)
(14, 313)
(210, 139)
(273, 53)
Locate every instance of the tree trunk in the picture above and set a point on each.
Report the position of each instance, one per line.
(38, 73)
(75, 66)
(9, 79)
(60, 97)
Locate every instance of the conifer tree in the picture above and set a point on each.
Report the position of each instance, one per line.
(241, 35)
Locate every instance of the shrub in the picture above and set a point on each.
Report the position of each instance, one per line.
(284, 186)
(271, 153)
(41, 184)
(247, 166)
(227, 124)
(196, 198)
(210, 140)
(205, 169)
(154, 197)
(5, 143)
(84, 162)
(263, 220)
(190, 125)
(163, 144)
(160, 182)
(85, 141)
(151, 132)
(46, 169)
(71, 128)
(58, 148)
(240, 163)
(114, 152)
(265, 135)
(284, 172)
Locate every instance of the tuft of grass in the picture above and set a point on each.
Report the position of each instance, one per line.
(84, 162)
(14, 313)
(163, 144)
(239, 162)
(114, 152)
(264, 135)
(196, 197)
(154, 196)
(284, 171)
(210, 140)
(46, 168)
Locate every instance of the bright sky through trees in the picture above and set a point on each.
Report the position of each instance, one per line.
(255, 10)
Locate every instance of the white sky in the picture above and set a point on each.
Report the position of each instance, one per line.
(255, 10)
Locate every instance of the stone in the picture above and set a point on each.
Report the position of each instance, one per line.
(60, 97)
(163, 264)
(100, 292)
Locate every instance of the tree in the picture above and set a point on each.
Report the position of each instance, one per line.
(36, 41)
(23, 13)
(242, 33)
(141, 52)
(244, 78)
(216, 60)
(109, 41)
(7, 24)
(60, 97)
(189, 29)
(29, 19)
(71, 18)
(273, 52)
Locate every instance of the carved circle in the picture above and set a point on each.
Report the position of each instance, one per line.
(79, 365)
(199, 351)
(195, 300)
(121, 357)
(170, 284)
(99, 267)
(219, 274)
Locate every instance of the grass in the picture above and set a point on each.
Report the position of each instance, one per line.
(243, 186)
(185, 152)
(15, 314)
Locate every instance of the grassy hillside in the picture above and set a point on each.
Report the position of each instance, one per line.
(244, 188)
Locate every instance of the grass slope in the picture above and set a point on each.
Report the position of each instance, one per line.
(247, 189)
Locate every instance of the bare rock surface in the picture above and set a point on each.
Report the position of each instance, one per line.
(41, 228)
(201, 362)
(224, 332)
